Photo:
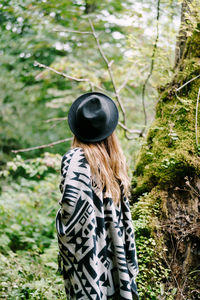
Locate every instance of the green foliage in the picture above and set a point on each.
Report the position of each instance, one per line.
(153, 274)
(30, 95)
(35, 168)
(26, 208)
(29, 275)
(28, 242)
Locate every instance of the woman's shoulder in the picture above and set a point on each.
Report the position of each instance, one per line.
(75, 155)
(70, 153)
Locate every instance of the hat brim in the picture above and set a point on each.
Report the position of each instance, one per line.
(74, 126)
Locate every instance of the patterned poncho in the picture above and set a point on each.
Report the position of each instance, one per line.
(95, 236)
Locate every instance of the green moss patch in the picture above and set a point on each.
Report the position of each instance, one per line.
(153, 274)
(170, 149)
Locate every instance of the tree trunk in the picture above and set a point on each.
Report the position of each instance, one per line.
(166, 187)
(182, 36)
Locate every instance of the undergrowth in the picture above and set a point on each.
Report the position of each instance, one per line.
(28, 242)
(153, 272)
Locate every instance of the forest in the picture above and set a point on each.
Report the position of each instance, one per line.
(145, 55)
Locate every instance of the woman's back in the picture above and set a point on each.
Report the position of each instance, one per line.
(95, 235)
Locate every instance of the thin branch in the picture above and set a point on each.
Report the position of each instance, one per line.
(129, 130)
(196, 119)
(101, 89)
(152, 65)
(92, 85)
(42, 146)
(98, 44)
(125, 81)
(56, 119)
(108, 65)
(172, 273)
(73, 31)
(36, 63)
(187, 83)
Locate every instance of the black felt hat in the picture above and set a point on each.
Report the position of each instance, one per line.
(93, 117)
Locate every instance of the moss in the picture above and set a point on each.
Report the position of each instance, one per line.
(168, 157)
(193, 43)
(170, 149)
(150, 248)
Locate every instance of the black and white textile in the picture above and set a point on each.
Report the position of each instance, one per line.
(95, 236)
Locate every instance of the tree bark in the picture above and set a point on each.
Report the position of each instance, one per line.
(166, 182)
(182, 36)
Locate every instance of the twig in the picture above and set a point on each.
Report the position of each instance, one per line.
(98, 44)
(56, 119)
(125, 82)
(102, 89)
(92, 85)
(73, 31)
(172, 113)
(152, 65)
(42, 146)
(196, 119)
(187, 83)
(36, 63)
(174, 277)
(179, 98)
(108, 65)
(129, 130)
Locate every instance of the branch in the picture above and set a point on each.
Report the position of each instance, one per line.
(196, 119)
(36, 63)
(56, 119)
(125, 82)
(42, 146)
(152, 65)
(129, 130)
(73, 31)
(69, 77)
(98, 44)
(187, 83)
(108, 65)
(101, 89)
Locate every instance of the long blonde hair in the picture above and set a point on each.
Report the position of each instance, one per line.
(108, 164)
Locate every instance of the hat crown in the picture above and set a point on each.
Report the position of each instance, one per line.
(93, 117)
(93, 112)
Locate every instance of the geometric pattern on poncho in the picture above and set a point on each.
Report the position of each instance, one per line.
(95, 236)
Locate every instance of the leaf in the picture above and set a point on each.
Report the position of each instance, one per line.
(52, 265)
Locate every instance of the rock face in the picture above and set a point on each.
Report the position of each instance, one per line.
(167, 176)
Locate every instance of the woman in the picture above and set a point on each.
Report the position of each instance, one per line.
(94, 226)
